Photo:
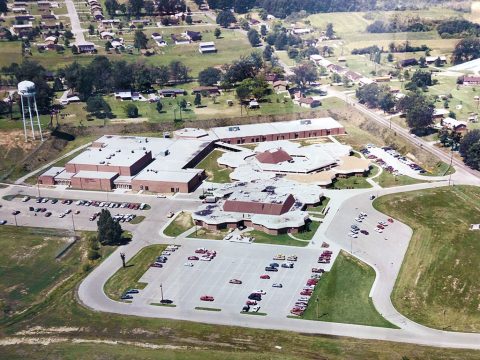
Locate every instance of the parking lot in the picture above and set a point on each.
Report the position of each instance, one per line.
(184, 285)
(392, 161)
(80, 214)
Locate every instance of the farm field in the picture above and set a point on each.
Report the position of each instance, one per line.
(436, 285)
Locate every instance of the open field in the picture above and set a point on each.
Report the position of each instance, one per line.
(214, 171)
(437, 285)
(181, 223)
(27, 251)
(342, 295)
(11, 52)
(283, 239)
(127, 277)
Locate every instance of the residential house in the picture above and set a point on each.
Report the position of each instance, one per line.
(193, 35)
(86, 47)
(206, 90)
(453, 124)
(471, 80)
(307, 102)
(280, 86)
(379, 79)
(180, 39)
(107, 35)
(123, 95)
(440, 113)
(171, 92)
(432, 59)
(407, 62)
(207, 47)
(353, 76)
(334, 68)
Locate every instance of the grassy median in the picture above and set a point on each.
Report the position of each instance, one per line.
(342, 295)
(181, 223)
(127, 277)
(438, 282)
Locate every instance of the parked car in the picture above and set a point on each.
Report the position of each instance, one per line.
(207, 298)
(265, 277)
(364, 232)
(246, 308)
(269, 268)
(261, 292)
(25, 198)
(277, 285)
(156, 264)
(48, 214)
(192, 258)
(235, 281)
(189, 264)
(279, 257)
(3, 222)
(251, 302)
(287, 265)
(15, 212)
(255, 296)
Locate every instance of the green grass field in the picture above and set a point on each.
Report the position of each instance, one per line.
(437, 285)
(29, 269)
(181, 223)
(351, 182)
(342, 295)
(321, 207)
(386, 179)
(283, 239)
(214, 171)
(308, 234)
(129, 276)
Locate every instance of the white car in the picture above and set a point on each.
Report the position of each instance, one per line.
(62, 215)
(261, 292)
(166, 253)
(379, 230)
(207, 258)
(363, 214)
(352, 235)
(308, 287)
(304, 298)
(358, 220)
(189, 264)
(255, 308)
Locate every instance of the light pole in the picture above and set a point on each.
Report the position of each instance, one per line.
(450, 167)
(122, 256)
(73, 224)
(316, 301)
(15, 216)
(161, 292)
(38, 189)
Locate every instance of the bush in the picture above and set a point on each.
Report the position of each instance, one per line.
(93, 254)
(131, 110)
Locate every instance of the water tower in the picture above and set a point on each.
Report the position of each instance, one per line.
(26, 90)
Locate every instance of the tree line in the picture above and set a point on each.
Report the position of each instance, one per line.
(103, 76)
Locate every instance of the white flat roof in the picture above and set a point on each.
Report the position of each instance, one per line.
(108, 156)
(53, 171)
(181, 176)
(226, 132)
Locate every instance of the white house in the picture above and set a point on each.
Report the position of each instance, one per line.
(207, 47)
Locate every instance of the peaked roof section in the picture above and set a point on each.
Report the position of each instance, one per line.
(273, 156)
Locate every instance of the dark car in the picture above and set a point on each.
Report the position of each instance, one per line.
(15, 212)
(255, 296)
(132, 291)
(126, 297)
(270, 268)
(54, 201)
(364, 232)
(275, 265)
(166, 301)
(48, 214)
(246, 308)
(31, 208)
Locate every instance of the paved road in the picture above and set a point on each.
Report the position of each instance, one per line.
(75, 21)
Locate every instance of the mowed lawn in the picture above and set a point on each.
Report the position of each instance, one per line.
(342, 295)
(127, 277)
(181, 223)
(215, 172)
(283, 239)
(28, 268)
(438, 283)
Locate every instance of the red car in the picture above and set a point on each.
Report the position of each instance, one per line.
(312, 282)
(193, 258)
(201, 251)
(380, 227)
(306, 293)
(264, 276)
(235, 281)
(206, 298)
(390, 220)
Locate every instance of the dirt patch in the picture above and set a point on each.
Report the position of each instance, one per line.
(184, 219)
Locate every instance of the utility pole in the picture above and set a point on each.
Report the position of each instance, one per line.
(161, 292)
(15, 216)
(450, 167)
(73, 224)
(38, 189)
(316, 301)
(122, 256)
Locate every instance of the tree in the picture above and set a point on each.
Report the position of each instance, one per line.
(179, 72)
(254, 37)
(109, 231)
(210, 76)
(3, 6)
(91, 29)
(98, 107)
(329, 32)
(57, 84)
(183, 104)
(267, 53)
(281, 41)
(198, 100)
(368, 94)
(111, 6)
(420, 79)
(470, 149)
(304, 74)
(217, 33)
(188, 20)
(131, 110)
(422, 62)
(466, 50)
(140, 40)
(438, 62)
(225, 18)
(149, 7)
(244, 24)
(390, 57)
(68, 34)
(263, 30)
(159, 107)
(74, 50)
(418, 111)
(135, 7)
(386, 101)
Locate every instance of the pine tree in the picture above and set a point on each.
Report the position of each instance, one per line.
(109, 231)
